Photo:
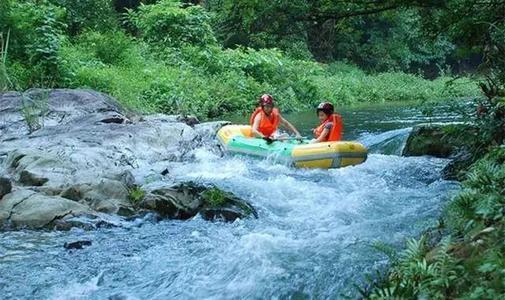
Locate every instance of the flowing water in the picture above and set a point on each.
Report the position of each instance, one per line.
(313, 238)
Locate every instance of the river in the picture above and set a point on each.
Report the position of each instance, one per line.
(313, 238)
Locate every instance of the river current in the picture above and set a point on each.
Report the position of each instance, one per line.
(313, 239)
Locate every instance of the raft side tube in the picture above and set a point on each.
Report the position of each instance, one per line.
(237, 139)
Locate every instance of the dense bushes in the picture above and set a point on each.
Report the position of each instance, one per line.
(391, 40)
(97, 15)
(35, 39)
(174, 64)
(211, 82)
(168, 24)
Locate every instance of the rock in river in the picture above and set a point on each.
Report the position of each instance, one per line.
(68, 153)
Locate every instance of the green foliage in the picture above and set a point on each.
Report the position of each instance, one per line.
(5, 7)
(260, 23)
(36, 34)
(482, 201)
(468, 265)
(389, 41)
(169, 24)
(111, 48)
(475, 28)
(176, 66)
(136, 194)
(97, 15)
(210, 82)
(215, 197)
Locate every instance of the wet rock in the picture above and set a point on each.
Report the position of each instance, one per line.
(126, 177)
(455, 170)
(108, 196)
(31, 179)
(84, 221)
(49, 108)
(36, 168)
(446, 141)
(76, 245)
(188, 120)
(117, 119)
(72, 193)
(222, 214)
(5, 186)
(25, 208)
(174, 202)
(77, 153)
(208, 130)
(225, 206)
(183, 201)
(436, 140)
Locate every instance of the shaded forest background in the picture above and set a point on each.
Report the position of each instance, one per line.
(216, 56)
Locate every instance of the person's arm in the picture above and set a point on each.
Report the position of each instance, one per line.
(256, 125)
(322, 137)
(288, 125)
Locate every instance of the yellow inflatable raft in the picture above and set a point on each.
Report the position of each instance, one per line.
(301, 154)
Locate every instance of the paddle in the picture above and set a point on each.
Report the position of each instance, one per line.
(271, 140)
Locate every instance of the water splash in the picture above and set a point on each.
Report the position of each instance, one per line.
(312, 237)
(390, 142)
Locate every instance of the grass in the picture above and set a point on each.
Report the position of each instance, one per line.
(215, 197)
(34, 108)
(135, 195)
(229, 81)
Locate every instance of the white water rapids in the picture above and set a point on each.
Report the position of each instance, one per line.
(312, 239)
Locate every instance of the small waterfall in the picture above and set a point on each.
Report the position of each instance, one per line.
(390, 142)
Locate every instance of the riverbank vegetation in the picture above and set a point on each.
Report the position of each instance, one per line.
(173, 57)
(468, 262)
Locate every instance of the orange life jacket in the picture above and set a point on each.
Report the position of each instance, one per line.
(336, 130)
(268, 124)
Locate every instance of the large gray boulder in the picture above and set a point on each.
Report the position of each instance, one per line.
(79, 152)
(84, 136)
(21, 113)
(25, 208)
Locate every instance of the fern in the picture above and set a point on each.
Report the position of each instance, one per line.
(387, 250)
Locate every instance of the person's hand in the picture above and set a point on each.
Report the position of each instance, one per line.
(268, 140)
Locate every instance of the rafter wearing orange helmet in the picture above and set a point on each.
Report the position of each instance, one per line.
(266, 119)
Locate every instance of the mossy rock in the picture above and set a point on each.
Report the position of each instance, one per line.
(185, 200)
(220, 205)
(439, 140)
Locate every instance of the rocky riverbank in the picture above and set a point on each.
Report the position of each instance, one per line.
(73, 155)
(451, 141)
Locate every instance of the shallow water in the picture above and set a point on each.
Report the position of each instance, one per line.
(312, 239)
